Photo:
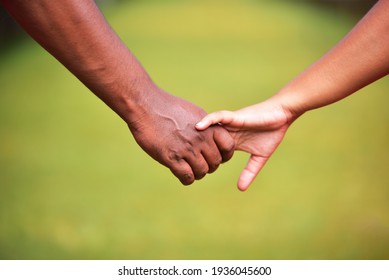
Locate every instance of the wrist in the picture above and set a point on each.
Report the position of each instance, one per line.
(286, 102)
(133, 100)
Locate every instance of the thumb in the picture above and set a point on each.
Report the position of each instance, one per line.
(224, 117)
(251, 171)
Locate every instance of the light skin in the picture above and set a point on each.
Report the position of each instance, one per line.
(359, 59)
(77, 34)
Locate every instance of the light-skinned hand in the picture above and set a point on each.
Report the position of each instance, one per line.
(257, 130)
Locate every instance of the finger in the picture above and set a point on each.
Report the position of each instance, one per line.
(198, 165)
(223, 117)
(224, 142)
(212, 156)
(251, 171)
(183, 172)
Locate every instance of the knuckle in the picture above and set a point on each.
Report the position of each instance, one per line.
(200, 136)
(173, 156)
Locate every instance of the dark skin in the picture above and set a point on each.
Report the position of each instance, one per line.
(169, 136)
(77, 34)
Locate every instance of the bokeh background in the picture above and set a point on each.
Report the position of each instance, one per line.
(75, 185)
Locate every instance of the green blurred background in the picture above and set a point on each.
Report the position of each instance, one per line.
(75, 185)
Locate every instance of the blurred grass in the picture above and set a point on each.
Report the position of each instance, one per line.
(74, 184)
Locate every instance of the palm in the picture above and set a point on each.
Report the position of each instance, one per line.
(260, 143)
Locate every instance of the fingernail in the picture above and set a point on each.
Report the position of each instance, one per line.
(199, 124)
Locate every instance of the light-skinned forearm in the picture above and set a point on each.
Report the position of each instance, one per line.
(76, 33)
(361, 58)
(358, 60)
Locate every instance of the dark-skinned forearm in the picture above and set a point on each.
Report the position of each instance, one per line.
(76, 33)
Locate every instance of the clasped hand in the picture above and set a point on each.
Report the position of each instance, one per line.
(165, 129)
(170, 131)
